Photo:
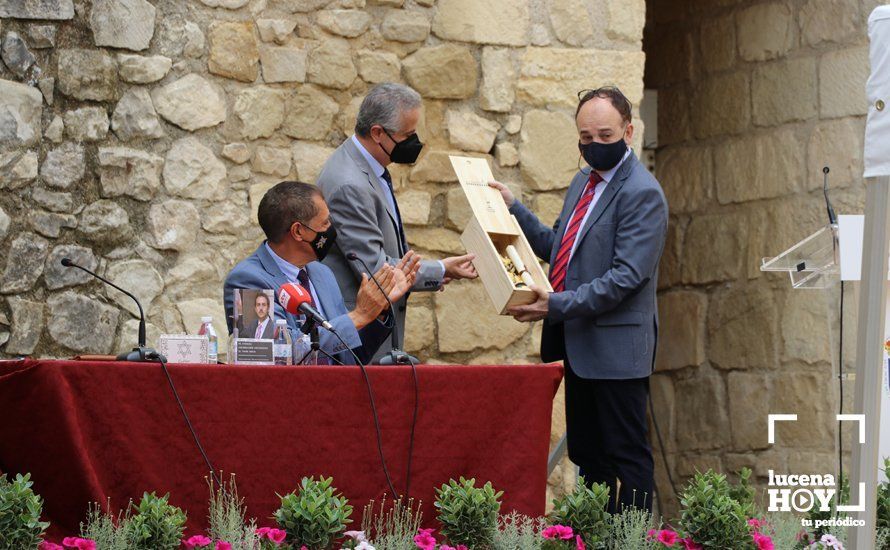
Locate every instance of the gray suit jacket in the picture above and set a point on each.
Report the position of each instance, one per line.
(366, 226)
(605, 323)
(250, 329)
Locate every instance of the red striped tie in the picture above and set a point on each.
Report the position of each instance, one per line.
(561, 264)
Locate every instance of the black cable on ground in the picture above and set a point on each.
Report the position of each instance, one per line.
(413, 426)
(374, 411)
(840, 378)
(188, 422)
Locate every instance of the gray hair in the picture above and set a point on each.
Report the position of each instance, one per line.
(384, 105)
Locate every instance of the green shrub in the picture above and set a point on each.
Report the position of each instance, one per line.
(226, 517)
(743, 493)
(628, 530)
(468, 514)
(157, 524)
(394, 526)
(518, 532)
(711, 516)
(20, 509)
(584, 510)
(883, 509)
(314, 516)
(108, 532)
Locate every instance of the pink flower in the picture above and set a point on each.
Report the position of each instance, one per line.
(223, 545)
(79, 543)
(756, 523)
(425, 540)
(277, 535)
(667, 537)
(197, 541)
(558, 532)
(651, 534)
(763, 542)
(358, 536)
(688, 544)
(579, 544)
(263, 532)
(45, 545)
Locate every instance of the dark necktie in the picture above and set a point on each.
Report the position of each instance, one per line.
(403, 244)
(561, 264)
(303, 279)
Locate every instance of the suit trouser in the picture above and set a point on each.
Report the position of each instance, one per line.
(608, 436)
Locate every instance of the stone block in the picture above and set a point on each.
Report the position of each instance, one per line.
(375, 67)
(571, 21)
(178, 37)
(55, 130)
(742, 328)
(845, 162)
(87, 74)
(759, 166)
(723, 106)
(331, 66)
(664, 406)
(702, 421)
(274, 161)
(191, 170)
(87, 124)
(138, 69)
(259, 111)
(815, 426)
(626, 20)
(309, 159)
(17, 168)
(284, 64)
(496, 92)
(553, 76)
(130, 172)
(275, 30)
(842, 78)
(21, 107)
(506, 154)
(784, 91)
(57, 10)
(491, 330)
(712, 249)
(309, 114)
(190, 102)
(687, 178)
(16, 55)
(227, 217)
(435, 239)
(127, 24)
(173, 224)
(548, 206)
(749, 403)
(674, 61)
(805, 329)
(24, 263)
(27, 325)
(233, 50)
(50, 224)
(135, 117)
(57, 276)
(765, 31)
(828, 21)
(681, 338)
(63, 166)
(348, 23)
(470, 132)
(447, 71)
(81, 323)
(548, 151)
(56, 202)
(239, 153)
(502, 22)
(405, 26)
(104, 221)
(139, 277)
(674, 115)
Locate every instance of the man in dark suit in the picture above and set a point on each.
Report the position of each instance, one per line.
(601, 318)
(358, 188)
(262, 326)
(298, 231)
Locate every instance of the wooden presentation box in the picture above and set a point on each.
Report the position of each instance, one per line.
(488, 234)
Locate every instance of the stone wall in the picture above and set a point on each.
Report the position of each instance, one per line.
(754, 99)
(137, 138)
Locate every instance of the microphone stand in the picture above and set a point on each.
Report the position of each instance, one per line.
(395, 356)
(141, 353)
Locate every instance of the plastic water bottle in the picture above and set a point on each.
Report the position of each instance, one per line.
(212, 341)
(282, 345)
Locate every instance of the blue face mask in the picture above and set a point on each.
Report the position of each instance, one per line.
(603, 156)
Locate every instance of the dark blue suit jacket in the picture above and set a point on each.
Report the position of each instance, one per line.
(259, 270)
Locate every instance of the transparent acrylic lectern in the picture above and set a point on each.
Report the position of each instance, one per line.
(812, 263)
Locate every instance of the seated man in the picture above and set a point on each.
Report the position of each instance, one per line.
(298, 231)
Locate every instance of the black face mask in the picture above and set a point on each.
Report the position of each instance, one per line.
(603, 156)
(323, 241)
(405, 151)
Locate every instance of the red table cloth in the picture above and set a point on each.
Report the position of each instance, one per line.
(89, 431)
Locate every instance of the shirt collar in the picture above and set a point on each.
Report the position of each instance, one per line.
(289, 270)
(372, 162)
(609, 174)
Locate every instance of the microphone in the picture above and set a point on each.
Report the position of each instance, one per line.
(295, 299)
(396, 355)
(140, 353)
(832, 217)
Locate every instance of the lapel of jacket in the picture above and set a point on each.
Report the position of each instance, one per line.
(609, 194)
(271, 267)
(373, 180)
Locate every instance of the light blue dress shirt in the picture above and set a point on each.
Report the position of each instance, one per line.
(291, 271)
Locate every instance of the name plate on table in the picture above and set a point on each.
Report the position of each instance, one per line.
(184, 348)
(253, 351)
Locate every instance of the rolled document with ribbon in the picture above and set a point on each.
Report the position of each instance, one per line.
(519, 265)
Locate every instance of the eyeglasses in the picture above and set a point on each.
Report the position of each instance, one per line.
(610, 92)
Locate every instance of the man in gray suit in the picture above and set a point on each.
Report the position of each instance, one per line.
(601, 318)
(358, 189)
